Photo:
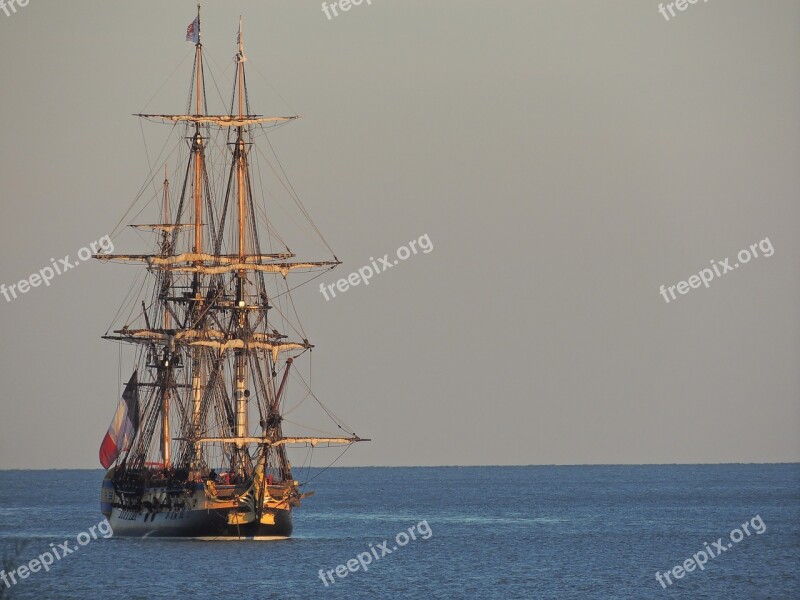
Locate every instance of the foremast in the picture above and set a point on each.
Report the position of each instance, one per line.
(197, 312)
(240, 161)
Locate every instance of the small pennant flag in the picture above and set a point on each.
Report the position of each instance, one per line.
(124, 426)
(193, 31)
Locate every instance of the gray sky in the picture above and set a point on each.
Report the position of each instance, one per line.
(566, 159)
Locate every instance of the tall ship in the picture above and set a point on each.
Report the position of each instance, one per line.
(197, 446)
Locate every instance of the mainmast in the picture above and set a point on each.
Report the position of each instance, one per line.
(240, 155)
(197, 148)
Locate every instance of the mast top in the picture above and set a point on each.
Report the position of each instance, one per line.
(193, 31)
(199, 30)
(240, 57)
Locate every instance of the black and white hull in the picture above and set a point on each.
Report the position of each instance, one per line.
(197, 511)
(199, 524)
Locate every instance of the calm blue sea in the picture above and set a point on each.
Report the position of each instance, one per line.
(493, 532)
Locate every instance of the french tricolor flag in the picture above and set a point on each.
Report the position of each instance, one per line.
(124, 426)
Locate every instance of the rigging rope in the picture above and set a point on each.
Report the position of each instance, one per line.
(346, 448)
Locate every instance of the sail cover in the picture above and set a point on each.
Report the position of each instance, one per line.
(124, 426)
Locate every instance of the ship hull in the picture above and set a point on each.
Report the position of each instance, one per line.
(202, 524)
